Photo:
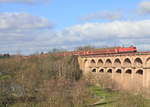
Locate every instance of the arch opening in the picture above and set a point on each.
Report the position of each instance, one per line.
(140, 72)
(138, 77)
(109, 70)
(127, 62)
(119, 71)
(100, 62)
(127, 79)
(101, 70)
(94, 70)
(108, 63)
(85, 60)
(117, 62)
(138, 62)
(129, 71)
(93, 62)
(148, 62)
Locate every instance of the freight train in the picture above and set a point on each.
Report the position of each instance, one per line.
(116, 50)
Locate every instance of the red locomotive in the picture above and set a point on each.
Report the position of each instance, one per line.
(116, 50)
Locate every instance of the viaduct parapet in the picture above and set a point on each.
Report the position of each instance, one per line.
(127, 70)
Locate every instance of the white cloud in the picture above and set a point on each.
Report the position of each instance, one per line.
(109, 34)
(20, 30)
(121, 29)
(26, 33)
(104, 15)
(144, 7)
(22, 21)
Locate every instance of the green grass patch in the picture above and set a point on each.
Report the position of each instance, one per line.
(109, 98)
(103, 96)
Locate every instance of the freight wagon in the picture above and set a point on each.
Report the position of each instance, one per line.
(117, 50)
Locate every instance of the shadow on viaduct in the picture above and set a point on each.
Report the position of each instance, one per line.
(126, 70)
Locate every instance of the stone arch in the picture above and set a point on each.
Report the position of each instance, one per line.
(92, 62)
(100, 62)
(117, 62)
(140, 72)
(86, 65)
(94, 70)
(101, 70)
(118, 71)
(127, 79)
(138, 62)
(85, 61)
(148, 62)
(109, 71)
(108, 63)
(117, 76)
(127, 62)
(128, 71)
(138, 79)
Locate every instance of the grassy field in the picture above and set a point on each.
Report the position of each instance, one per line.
(109, 98)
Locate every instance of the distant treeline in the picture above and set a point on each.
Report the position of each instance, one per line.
(4, 55)
(80, 48)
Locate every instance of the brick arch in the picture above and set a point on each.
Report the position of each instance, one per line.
(127, 62)
(138, 62)
(102, 70)
(127, 79)
(118, 71)
(138, 78)
(86, 64)
(147, 63)
(92, 62)
(108, 63)
(109, 70)
(100, 62)
(117, 62)
(94, 70)
(139, 72)
(85, 61)
(117, 77)
(128, 71)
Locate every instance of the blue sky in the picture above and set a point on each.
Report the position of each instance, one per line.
(64, 13)
(30, 26)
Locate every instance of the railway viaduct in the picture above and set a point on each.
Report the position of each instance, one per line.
(127, 70)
